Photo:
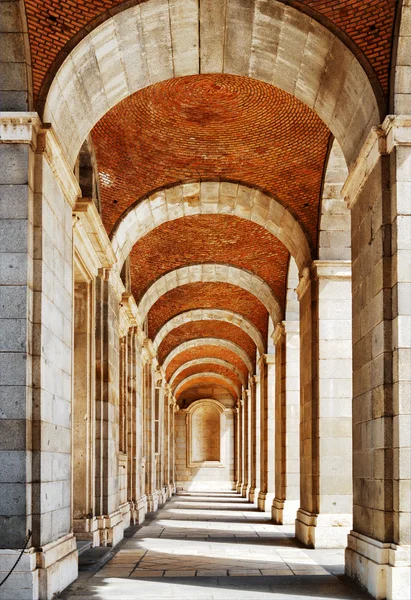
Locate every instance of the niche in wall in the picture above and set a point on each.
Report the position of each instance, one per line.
(205, 427)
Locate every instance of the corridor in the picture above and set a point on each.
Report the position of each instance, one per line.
(214, 546)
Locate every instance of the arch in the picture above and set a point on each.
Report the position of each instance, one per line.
(212, 273)
(210, 197)
(334, 241)
(197, 403)
(207, 361)
(209, 342)
(227, 316)
(148, 43)
(223, 381)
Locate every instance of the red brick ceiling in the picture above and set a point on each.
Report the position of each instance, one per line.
(211, 126)
(207, 368)
(206, 329)
(205, 239)
(206, 380)
(206, 351)
(55, 26)
(207, 295)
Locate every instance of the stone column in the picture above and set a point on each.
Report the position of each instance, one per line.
(149, 413)
(255, 438)
(85, 525)
(267, 439)
(246, 443)
(324, 517)
(287, 423)
(107, 411)
(240, 436)
(378, 192)
(166, 438)
(173, 446)
(37, 193)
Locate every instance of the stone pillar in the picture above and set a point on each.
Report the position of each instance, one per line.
(173, 445)
(109, 515)
(240, 434)
(246, 443)
(37, 193)
(131, 438)
(149, 434)
(378, 192)
(287, 423)
(255, 438)
(324, 517)
(267, 437)
(85, 524)
(166, 438)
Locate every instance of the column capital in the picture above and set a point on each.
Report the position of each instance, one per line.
(304, 282)
(19, 127)
(104, 273)
(278, 332)
(331, 269)
(394, 131)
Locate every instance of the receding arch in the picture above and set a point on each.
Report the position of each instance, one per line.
(334, 240)
(149, 43)
(208, 376)
(212, 273)
(207, 361)
(203, 370)
(226, 316)
(209, 342)
(210, 197)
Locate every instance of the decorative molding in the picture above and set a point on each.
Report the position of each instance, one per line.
(278, 332)
(303, 284)
(19, 128)
(332, 269)
(49, 147)
(88, 216)
(394, 131)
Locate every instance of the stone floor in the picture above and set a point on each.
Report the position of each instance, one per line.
(215, 546)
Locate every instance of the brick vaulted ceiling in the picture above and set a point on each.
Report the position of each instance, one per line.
(210, 126)
(55, 27)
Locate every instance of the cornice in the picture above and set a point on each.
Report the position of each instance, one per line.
(394, 131)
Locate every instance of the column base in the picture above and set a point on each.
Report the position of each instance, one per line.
(152, 501)
(384, 570)
(171, 490)
(41, 574)
(284, 512)
(87, 530)
(111, 528)
(125, 510)
(265, 501)
(322, 531)
(244, 490)
(253, 495)
(139, 510)
(238, 487)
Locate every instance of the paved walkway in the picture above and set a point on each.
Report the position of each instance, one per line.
(215, 546)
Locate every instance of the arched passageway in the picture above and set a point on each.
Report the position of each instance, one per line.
(204, 289)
